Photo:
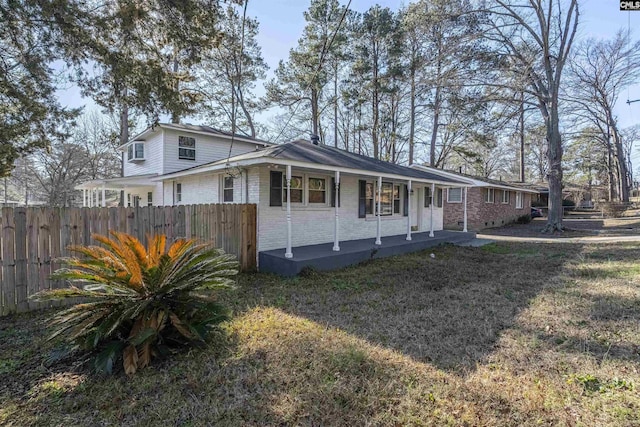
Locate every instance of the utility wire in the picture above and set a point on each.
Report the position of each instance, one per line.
(325, 49)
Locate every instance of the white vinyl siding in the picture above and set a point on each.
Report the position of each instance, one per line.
(153, 161)
(208, 149)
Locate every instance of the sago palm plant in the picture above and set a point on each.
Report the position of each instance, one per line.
(139, 302)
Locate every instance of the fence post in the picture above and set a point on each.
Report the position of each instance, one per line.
(8, 261)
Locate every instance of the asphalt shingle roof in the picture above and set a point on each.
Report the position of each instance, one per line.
(305, 151)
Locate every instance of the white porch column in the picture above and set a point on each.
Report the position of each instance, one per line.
(464, 228)
(84, 197)
(90, 194)
(104, 196)
(378, 240)
(433, 200)
(336, 241)
(289, 252)
(409, 210)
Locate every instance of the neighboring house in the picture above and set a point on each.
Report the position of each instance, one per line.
(490, 203)
(306, 194)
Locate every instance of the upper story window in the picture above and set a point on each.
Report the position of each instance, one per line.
(454, 195)
(186, 148)
(135, 152)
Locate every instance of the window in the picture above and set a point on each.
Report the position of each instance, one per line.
(317, 190)
(178, 193)
(369, 198)
(488, 195)
(439, 197)
(396, 199)
(227, 189)
(427, 197)
(519, 201)
(386, 199)
(186, 148)
(505, 197)
(135, 151)
(150, 198)
(129, 200)
(297, 191)
(275, 193)
(454, 195)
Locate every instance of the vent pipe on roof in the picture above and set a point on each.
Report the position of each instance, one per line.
(315, 139)
(460, 170)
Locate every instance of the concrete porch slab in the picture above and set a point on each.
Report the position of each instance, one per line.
(322, 257)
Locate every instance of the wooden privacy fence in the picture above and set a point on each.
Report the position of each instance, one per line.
(32, 239)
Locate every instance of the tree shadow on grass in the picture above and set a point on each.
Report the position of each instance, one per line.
(448, 310)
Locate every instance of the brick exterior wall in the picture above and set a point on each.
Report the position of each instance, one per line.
(482, 215)
(312, 225)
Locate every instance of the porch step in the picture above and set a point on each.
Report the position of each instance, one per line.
(322, 257)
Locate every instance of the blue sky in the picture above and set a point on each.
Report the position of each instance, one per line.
(281, 24)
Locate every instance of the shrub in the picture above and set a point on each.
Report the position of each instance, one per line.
(524, 219)
(140, 302)
(568, 203)
(613, 209)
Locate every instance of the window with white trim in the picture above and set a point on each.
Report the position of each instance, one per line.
(186, 147)
(519, 200)
(439, 197)
(427, 197)
(386, 199)
(506, 197)
(454, 195)
(396, 199)
(489, 195)
(317, 191)
(369, 197)
(135, 151)
(150, 198)
(178, 192)
(297, 189)
(227, 189)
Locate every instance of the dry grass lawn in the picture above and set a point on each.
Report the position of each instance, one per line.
(508, 334)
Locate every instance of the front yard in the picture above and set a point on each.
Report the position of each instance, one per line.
(507, 334)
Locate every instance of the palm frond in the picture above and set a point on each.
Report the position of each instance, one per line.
(140, 299)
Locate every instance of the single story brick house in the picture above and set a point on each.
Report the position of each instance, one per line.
(490, 203)
(314, 202)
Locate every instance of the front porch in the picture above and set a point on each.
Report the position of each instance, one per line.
(323, 257)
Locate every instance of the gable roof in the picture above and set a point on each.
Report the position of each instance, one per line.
(305, 154)
(198, 129)
(477, 181)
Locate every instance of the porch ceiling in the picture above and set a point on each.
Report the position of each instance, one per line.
(140, 181)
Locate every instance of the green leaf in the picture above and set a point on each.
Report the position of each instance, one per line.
(106, 358)
(142, 336)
